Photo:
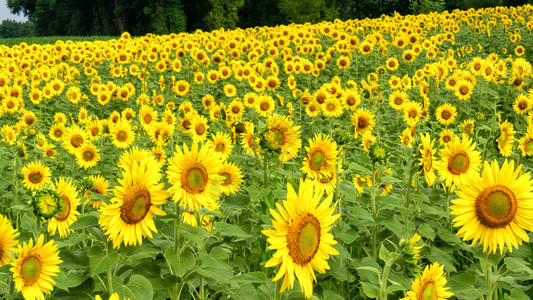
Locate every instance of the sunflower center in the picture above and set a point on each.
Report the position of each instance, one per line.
(220, 147)
(428, 291)
(303, 238)
(76, 141)
(147, 119)
(88, 155)
(496, 206)
(398, 101)
(195, 179)
(428, 160)
(362, 123)
(200, 129)
(264, 106)
(95, 131)
(458, 163)
(318, 159)
(30, 269)
(136, 204)
(529, 146)
(226, 178)
(122, 136)
(62, 215)
(412, 114)
(235, 109)
(350, 101)
(522, 104)
(463, 90)
(35, 177)
(446, 115)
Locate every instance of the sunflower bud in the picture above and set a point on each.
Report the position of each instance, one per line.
(341, 136)
(46, 203)
(87, 183)
(378, 152)
(411, 255)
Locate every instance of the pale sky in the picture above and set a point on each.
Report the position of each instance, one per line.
(5, 13)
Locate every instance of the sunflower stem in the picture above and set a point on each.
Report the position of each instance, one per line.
(385, 277)
(265, 171)
(278, 290)
(109, 274)
(488, 278)
(409, 181)
(176, 291)
(374, 211)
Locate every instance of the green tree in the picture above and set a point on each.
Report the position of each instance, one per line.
(302, 11)
(12, 29)
(224, 14)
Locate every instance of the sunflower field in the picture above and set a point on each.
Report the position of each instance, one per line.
(386, 158)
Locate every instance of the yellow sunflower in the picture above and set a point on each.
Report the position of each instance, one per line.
(73, 138)
(430, 285)
(525, 144)
(221, 143)
(198, 129)
(363, 120)
(283, 135)
(522, 104)
(7, 240)
(495, 208)
(100, 186)
(36, 175)
(230, 178)
(67, 215)
(446, 114)
(322, 156)
(128, 218)
(458, 160)
(34, 267)
(122, 134)
(464, 89)
(426, 161)
(506, 139)
(301, 236)
(194, 176)
(87, 156)
(398, 99)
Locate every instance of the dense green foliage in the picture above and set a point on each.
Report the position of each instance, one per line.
(139, 17)
(13, 29)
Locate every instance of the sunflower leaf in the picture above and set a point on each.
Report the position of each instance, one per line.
(99, 261)
(180, 263)
(137, 288)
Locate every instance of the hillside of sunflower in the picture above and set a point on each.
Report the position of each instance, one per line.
(384, 158)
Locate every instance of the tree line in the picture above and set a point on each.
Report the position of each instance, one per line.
(139, 17)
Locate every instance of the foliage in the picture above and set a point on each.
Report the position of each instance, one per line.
(427, 6)
(13, 29)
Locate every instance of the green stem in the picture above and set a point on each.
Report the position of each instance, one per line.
(488, 278)
(176, 291)
(278, 290)
(265, 171)
(409, 181)
(374, 211)
(109, 274)
(202, 289)
(385, 277)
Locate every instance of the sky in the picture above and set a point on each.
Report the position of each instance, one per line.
(5, 13)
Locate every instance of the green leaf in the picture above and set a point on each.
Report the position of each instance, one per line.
(74, 259)
(384, 254)
(426, 231)
(516, 294)
(442, 257)
(360, 216)
(138, 288)
(182, 263)
(252, 277)
(518, 265)
(140, 252)
(99, 261)
(331, 295)
(211, 268)
(196, 234)
(84, 222)
(230, 230)
(371, 290)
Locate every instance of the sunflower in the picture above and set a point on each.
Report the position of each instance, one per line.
(464, 89)
(350, 99)
(525, 144)
(494, 208)
(468, 125)
(363, 120)
(7, 240)
(446, 136)
(301, 236)
(221, 143)
(283, 135)
(159, 154)
(230, 178)
(398, 99)
(412, 112)
(392, 63)
(522, 104)
(34, 266)
(36, 175)
(74, 138)
(430, 285)
(87, 156)
(67, 215)
(147, 115)
(322, 156)
(122, 134)
(426, 161)
(312, 109)
(332, 107)
(100, 186)
(458, 161)
(506, 139)
(193, 175)
(128, 218)
(343, 62)
(235, 109)
(265, 105)
(198, 128)
(446, 114)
